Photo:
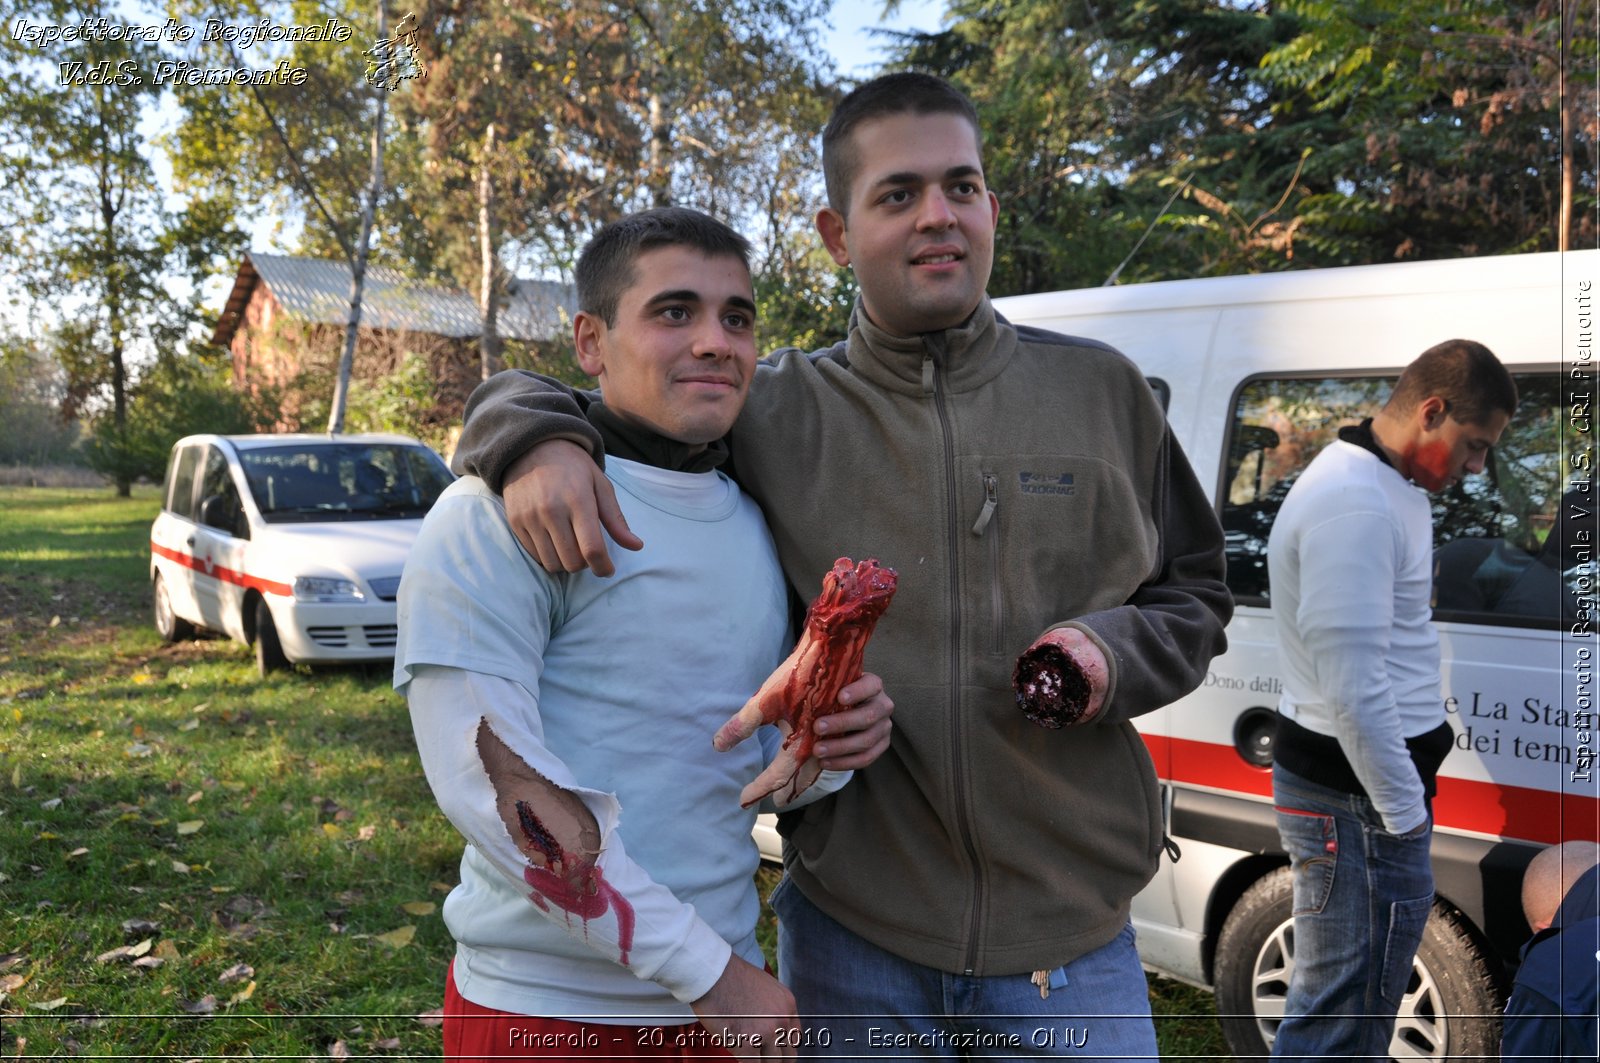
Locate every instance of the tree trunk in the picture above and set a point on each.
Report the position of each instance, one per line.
(358, 267)
(489, 286)
(115, 269)
(1569, 126)
(660, 156)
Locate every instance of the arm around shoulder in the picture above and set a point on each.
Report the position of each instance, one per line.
(511, 412)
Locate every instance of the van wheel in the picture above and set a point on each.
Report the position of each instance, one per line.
(169, 625)
(269, 650)
(1450, 1009)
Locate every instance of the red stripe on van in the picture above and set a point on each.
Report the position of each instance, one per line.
(1545, 816)
(226, 575)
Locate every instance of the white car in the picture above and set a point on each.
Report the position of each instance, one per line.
(291, 543)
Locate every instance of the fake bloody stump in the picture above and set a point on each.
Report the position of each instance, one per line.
(828, 656)
(1052, 690)
(590, 897)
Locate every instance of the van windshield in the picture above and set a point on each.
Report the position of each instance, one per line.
(310, 482)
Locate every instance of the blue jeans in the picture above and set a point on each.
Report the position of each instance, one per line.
(1361, 899)
(868, 1003)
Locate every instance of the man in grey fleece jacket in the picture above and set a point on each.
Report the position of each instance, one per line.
(974, 883)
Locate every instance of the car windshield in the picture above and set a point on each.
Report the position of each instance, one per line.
(307, 482)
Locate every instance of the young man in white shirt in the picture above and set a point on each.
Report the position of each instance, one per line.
(564, 721)
(1362, 729)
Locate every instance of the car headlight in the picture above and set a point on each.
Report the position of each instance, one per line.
(321, 589)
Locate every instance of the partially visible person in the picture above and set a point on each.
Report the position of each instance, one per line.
(1362, 729)
(607, 898)
(973, 886)
(1554, 1003)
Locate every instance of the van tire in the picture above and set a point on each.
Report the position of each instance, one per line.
(269, 649)
(169, 625)
(1451, 1008)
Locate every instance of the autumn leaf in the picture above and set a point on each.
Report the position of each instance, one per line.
(431, 1018)
(48, 1005)
(398, 938)
(419, 907)
(190, 826)
(204, 1006)
(337, 1050)
(332, 830)
(237, 973)
(242, 995)
(189, 725)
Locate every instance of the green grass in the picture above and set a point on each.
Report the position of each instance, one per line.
(167, 799)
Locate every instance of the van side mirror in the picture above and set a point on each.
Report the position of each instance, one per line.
(222, 513)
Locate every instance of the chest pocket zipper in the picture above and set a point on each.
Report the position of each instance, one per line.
(986, 516)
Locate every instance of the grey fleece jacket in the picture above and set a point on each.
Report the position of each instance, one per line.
(1018, 481)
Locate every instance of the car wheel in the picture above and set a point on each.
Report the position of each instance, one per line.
(1450, 1008)
(169, 625)
(269, 650)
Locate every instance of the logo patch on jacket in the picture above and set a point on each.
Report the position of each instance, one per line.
(1049, 483)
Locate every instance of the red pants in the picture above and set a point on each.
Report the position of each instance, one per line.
(475, 1034)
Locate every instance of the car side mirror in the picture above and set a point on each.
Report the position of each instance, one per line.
(220, 512)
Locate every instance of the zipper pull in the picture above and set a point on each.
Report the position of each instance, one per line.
(991, 502)
(927, 374)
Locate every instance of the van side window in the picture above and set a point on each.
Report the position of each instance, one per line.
(1497, 555)
(180, 482)
(220, 507)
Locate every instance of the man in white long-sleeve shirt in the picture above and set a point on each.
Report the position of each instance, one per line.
(607, 903)
(1362, 729)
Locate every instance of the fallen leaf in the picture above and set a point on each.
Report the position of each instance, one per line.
(165, 950)
(337, 1050)
(419, 907)
(13, 982)
(332, 830)
(242, 995)
(121, 952)
(204, 1006)
(189, 725)
(366, 833)
(440, 887)
(197, 795)
(53, 803)
(48, 1005)
(139, 926)
(142, 947)
(137, 749)
(142, 678)
(55, 621)
(432, 1018)
(237, 973)
(398, 938)
(191, 826)
(80, 851)
(149, 962)
(388, 1044)
(180, 867)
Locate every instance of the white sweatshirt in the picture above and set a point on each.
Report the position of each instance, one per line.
(611, 688)
(1351, 564)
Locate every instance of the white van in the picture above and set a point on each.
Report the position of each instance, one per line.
(1258, 373)
(291, 543)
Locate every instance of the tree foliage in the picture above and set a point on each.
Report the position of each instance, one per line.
(88, 234)
(1168, 138)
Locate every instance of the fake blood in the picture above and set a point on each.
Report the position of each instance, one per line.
(1052, 690)
(588, 898)
(828, 655)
